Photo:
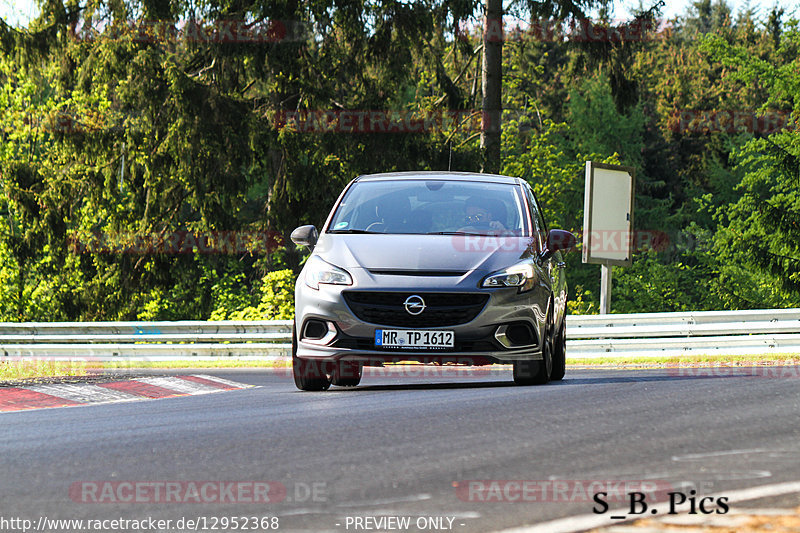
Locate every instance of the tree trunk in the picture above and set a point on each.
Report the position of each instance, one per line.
(492, 83)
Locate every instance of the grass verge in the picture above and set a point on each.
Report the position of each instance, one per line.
(20, 369)
(228, 362)
(38, 368)
(686, 360)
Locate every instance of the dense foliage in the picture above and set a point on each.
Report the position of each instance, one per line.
(155, 155)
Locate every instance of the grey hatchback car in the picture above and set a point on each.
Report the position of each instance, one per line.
(434, 267)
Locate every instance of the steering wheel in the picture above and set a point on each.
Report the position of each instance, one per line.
(378, 227)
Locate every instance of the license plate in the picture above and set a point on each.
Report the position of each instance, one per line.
(414, 338)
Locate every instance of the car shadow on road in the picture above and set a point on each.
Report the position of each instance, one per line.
(428, 386)
(489, 384)
(673, 375)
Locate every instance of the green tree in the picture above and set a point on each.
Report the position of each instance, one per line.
(761, 229)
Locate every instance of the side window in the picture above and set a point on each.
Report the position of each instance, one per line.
(538, 221)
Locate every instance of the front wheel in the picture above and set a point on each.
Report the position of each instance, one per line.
(560, 353)
(346, 374)
(537, 372)
(309, 375)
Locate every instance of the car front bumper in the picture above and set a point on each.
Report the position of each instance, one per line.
(476, 341)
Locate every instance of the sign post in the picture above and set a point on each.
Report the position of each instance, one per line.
(608, 221)
(605, 289)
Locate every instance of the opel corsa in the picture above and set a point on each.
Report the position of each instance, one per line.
(434, 267)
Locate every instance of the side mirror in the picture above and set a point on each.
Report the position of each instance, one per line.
(305, 235)
(558, 240)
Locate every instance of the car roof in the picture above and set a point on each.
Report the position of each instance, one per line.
(439, 175)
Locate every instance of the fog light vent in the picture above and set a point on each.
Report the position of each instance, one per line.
(315, 329)
(520, 334)
(516, 335)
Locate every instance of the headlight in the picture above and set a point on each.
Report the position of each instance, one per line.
(319, 271)
(522, 276)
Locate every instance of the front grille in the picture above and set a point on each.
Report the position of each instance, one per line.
(441, 308)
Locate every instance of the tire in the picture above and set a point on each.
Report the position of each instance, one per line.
(346, 374)
(537, 372)
(309, 375)
(560, 353)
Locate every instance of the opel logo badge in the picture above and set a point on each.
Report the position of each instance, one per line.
(414, 304)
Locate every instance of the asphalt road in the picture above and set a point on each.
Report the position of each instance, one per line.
(412, 446)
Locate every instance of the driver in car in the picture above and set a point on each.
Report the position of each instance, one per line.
(482, 214)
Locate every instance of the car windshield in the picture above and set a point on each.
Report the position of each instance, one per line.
(432, 206)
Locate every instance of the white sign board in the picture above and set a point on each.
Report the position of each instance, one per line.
(608, 214)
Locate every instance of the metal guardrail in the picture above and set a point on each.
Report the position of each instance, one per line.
(630, 335)
(753, 332)
(147, 341)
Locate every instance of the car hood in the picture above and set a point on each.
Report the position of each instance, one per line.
(423, 252)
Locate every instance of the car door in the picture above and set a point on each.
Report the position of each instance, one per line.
(555, 266)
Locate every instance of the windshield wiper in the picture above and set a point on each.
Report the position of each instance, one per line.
(458, 233)
(352, 231)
